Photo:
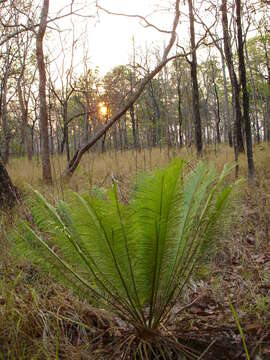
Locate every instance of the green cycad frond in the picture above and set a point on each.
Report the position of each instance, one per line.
(138, 257)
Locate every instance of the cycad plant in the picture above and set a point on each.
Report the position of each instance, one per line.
(134, 258)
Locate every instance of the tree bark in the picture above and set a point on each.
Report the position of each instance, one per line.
(237, 133)
(195, 87)
(45, 151)
(156, 131)
(243, 80)
(179, 106)
(26, 139)
(132, 117)
(6, 131)
(238, 137)
(217, 115)
(7, 189)
(267, 94)
(227, 109)
(254, 96)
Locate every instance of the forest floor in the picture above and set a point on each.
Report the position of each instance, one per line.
(40, 319)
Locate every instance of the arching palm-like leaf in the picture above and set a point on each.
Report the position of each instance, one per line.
(134, 258)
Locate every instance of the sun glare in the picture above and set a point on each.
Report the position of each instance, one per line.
(103, 109)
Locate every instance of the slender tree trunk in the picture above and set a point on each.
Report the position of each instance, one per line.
(132, 108)
(179, 111)
(51, 129)
(216, 104)
(217, 115)
(6, 131)
(65, 142)
(156, 118)
(195, 87)
(226, 96)
(74, 139)
(45, 151)
(125, 131)
(238, 137)
(243, 79)
(267, 93)
(237, 133)
(86, 118)
(254, 96)
(266, 114)
(132, 117)
(26, 136)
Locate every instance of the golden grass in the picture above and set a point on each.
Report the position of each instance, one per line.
(98, 169)
(42, 320)
(101, 169)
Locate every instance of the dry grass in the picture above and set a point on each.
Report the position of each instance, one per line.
(97, 169)
(42, 320)
(101, 169)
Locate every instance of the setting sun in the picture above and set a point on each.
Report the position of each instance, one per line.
(103, 109)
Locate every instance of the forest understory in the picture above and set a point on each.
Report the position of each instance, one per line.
(40, 319)
(135, 180)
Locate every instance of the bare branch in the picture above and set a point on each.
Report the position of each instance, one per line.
(80, 152)
(35, 26)
(134, 16)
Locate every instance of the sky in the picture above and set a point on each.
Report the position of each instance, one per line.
(109, 37)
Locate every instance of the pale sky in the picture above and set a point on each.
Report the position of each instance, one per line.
(110, 37)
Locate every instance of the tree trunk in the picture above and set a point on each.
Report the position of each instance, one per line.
(195, 87)
(238, 137)
(65, 141)
(156, 117)
(26, 135)
(7, 189)
(132, 117)
(237, 130)
(86, 118)
(179, 110)
(6, 131)
(227, 109)
(254, 96)
(267, 94)
(45, 151)
(217, 116)
(132, 108)
(243, 79)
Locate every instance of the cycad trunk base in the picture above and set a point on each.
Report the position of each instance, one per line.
(153, 345)
(134, 259)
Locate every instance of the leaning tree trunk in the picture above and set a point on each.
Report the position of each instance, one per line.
(74, 162)
(7, 189)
